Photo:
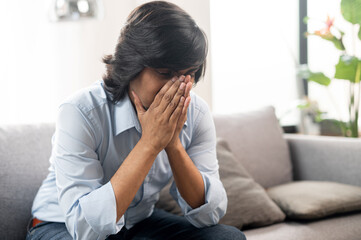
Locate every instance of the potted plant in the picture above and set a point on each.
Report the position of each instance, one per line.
(348, 67)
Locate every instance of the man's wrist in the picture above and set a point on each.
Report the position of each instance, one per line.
(174, 146)
(149, 148)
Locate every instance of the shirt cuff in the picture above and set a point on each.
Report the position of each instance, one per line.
(212, 210)
(100, 210)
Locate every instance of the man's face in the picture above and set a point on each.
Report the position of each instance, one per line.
(149, 82)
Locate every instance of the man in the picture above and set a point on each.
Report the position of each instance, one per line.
(118, 142)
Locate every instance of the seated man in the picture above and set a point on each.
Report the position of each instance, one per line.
(118, 142)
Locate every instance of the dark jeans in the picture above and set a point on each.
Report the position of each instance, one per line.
(160, 225)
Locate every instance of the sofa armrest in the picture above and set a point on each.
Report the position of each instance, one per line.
(323, 158)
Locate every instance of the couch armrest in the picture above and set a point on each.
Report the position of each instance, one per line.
(325, 158)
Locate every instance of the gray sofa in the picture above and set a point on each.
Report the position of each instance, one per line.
(25, 149)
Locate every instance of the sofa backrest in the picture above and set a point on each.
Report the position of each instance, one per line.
(256, 140)
(24, 155)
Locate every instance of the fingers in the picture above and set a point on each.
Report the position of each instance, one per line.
(171, 98)
(188, 89)
(158, 98)
(138, 103)
(168, 98)
(186, 105)
(181, 114)
(178, 111)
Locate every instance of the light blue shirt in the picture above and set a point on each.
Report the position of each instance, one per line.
(92, 139)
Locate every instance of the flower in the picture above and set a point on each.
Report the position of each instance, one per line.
(326, 32)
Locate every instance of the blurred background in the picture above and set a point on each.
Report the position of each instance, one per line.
(256, 49)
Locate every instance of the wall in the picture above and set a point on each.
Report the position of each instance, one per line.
(43, 62)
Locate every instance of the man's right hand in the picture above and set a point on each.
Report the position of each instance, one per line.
(160, 120)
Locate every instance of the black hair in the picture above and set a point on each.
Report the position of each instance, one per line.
(157, 34)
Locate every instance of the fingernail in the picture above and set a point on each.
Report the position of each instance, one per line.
(174, 79)
(181, 78)
(182, 86)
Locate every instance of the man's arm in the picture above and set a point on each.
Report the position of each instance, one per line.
(187, 177)
(158, 125)
(197, 188)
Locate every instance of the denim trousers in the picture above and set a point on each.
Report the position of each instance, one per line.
(161, 225)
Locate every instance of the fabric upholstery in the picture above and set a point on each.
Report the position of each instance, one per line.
(315, 199)
(321, 158)
(335, 228)
(256, 140)
(24, 154)
(248, 203)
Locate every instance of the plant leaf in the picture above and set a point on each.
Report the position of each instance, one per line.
(351, 10)
(338, 43)
(346, 68)
(319, 78)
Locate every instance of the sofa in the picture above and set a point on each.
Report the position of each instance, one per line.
(255, 138)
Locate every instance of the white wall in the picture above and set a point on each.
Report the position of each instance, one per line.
(45, 62)
(41, 62)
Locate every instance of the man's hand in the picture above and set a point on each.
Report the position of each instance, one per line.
(175, 141)
(160, 121)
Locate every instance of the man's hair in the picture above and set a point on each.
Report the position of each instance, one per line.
(156, 35)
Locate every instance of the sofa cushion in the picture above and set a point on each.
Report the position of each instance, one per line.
(248, 202)
(24, 155)
(335, 228)
(256, 140)
(315, 199)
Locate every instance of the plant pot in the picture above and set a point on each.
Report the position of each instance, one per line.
(329, 127)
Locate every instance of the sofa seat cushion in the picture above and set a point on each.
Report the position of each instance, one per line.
(315, 199)
(256, 140)
(334, 228)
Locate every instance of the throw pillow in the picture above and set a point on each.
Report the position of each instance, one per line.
(248, 203)
(315, 199)
(256, 140)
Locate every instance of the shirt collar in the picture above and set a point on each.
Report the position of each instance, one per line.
(125, 116)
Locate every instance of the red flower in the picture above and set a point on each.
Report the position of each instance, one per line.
(324, 32)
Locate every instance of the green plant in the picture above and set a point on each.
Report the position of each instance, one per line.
(349, 65)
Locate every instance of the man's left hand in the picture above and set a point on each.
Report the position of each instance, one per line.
(175, 142)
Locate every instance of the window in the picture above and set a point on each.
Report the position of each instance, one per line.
(254, 55)
(323, 56)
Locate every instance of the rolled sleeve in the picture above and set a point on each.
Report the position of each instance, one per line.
(211, 211)
(202, 151)
(88, 204)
